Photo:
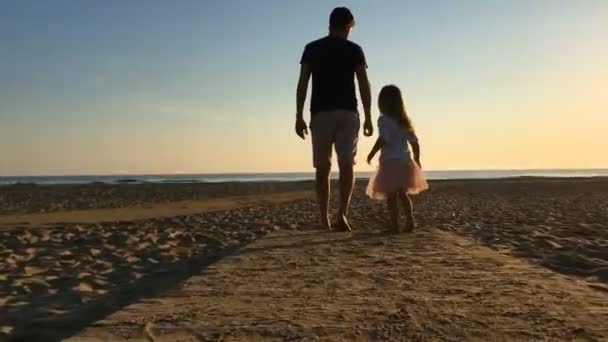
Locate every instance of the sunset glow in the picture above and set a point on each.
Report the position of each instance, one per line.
(206, 86)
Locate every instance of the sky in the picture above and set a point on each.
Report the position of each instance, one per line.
(118, 87)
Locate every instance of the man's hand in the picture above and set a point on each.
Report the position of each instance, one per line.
(301, 128)
(368, 128)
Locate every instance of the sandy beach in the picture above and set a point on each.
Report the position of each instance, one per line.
(521, 259)
(30, 198)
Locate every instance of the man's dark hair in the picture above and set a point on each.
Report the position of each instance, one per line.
(340, 17)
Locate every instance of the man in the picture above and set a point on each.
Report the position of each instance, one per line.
(333, 62)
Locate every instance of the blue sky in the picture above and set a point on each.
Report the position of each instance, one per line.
(208, 86)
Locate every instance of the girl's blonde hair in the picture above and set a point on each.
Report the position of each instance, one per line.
(391, 103)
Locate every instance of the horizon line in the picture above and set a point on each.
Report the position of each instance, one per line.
(284, 172)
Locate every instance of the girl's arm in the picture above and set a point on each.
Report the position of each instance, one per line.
(375, 149)
(416, 150)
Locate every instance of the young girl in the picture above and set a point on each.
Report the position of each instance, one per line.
(398, 176)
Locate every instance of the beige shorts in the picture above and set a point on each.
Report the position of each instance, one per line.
(336, 128)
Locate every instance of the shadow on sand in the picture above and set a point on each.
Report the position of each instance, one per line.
(56, 280)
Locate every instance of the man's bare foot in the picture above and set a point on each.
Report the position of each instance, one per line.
(411, 224)
(342, 225)
(325, 223)
(396, 229)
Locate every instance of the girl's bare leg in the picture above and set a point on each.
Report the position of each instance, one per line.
(409, 210)
(393, 210)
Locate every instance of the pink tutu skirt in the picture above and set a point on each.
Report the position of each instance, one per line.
(395, 175)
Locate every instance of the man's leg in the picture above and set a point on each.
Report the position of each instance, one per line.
(323, 189)
(322, 140)
(347, 184)
(347, 136)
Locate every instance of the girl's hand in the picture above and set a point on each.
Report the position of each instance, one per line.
(418, 162)
(370, 157)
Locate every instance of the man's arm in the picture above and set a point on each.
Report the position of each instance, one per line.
(364, 90)
(366, 99)
(305, 71)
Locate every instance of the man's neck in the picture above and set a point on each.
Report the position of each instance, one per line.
(337, 35)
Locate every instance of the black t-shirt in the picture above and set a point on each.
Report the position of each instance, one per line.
(333, 62)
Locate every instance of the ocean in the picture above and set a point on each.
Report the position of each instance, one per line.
(287, 177)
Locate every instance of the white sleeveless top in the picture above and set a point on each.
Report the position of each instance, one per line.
(396, 139)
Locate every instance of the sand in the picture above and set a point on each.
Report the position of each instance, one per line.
(30, 198)
(492, 260)
(148, 210)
